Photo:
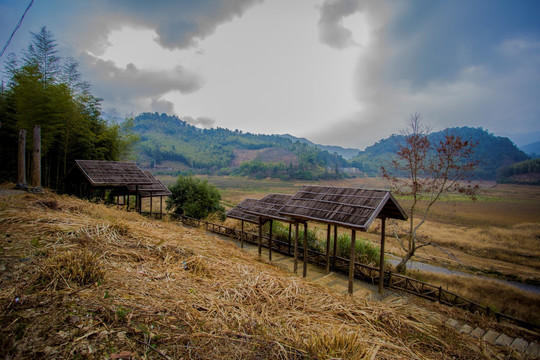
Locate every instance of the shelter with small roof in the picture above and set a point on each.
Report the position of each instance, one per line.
(122, 178)
(352, 208)
(347, 207)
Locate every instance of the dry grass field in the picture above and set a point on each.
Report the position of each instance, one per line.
(85, 281)
(497, 236)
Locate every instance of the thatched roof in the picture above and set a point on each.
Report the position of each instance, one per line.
(155, 189)
(112, 173)
(269, 206)
(239, 211)
(347, 207)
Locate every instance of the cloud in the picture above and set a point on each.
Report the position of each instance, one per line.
(331, 29)
(419, 64)
(179, 24)
(161, 106)
(205, 122)
(134, 88)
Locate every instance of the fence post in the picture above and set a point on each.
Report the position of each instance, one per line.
(36, 160)
(21, 161)
(440, 294)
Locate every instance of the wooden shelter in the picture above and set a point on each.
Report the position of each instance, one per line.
(268, 208)
(157, 188)
(351, 208)
(239, 213)
(115, 175)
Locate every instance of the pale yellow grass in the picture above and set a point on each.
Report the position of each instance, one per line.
(186, 294)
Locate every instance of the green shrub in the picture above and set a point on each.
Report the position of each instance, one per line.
(195, 198)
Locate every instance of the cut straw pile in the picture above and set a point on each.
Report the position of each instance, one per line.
(82, 280)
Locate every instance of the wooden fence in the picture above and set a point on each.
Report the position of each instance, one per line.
(366, 273)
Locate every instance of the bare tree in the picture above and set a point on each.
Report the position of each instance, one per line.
(426, 170)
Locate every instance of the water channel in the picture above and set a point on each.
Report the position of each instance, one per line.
(417, 265)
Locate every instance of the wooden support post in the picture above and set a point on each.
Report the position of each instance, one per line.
(290, 230)
(335, 245)
(21, 161)
(304, 273)
(328, 249)
(136, 198)
(36, 159)
(127, 207)
(260, 236)
(351, 263)
(242, 236)
(270, 242)
(151, 200)
(381, 264)
(161, 207)
(296, 248)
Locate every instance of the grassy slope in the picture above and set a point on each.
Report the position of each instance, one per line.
(81, 280)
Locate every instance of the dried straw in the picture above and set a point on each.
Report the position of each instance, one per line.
(159, 289)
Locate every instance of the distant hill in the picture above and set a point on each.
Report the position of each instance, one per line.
(532, 149)
(492, 152)
(170, 144)
(346, 153)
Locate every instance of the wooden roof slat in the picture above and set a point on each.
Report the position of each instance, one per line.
(349, 207)
(157, 188)
(112, 173)
(269, 206)
(238, 212)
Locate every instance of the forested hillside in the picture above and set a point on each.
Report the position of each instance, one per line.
(493, 153)
(42, 88)
(168, 138)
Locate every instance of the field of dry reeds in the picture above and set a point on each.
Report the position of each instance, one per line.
(497, 236)
(85, 281)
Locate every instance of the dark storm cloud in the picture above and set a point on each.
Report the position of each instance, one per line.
(178, 24)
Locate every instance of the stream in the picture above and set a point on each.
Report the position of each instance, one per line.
(416, 265)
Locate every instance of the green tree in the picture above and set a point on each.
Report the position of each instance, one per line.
(195, 198)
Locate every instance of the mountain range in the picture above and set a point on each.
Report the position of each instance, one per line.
(169, 144)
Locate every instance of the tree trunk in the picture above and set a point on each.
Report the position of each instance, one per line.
(402, 266)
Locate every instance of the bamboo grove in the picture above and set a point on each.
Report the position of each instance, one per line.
(40, 87)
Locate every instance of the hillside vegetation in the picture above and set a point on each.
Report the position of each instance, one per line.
(171, 144)
(82, 280)
(492, 152)
(204, 151)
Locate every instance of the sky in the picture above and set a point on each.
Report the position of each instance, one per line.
(338, 72)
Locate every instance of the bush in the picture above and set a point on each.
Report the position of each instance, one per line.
(195, 198)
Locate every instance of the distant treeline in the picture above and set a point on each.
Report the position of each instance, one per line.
(168, 138)
(492, 153)
(42, 88)
(524, 172)
(211, 151)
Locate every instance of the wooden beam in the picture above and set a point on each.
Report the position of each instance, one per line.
(304, 273)
(381, 263)
(335, 245)
(242, 236)
(296, 248)
(290, 230)
(260, 236)
(351, 263)
(270, 242)
(161, 207)
(151, 205)
(21, 161)
(36, 159)
(328, 249)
